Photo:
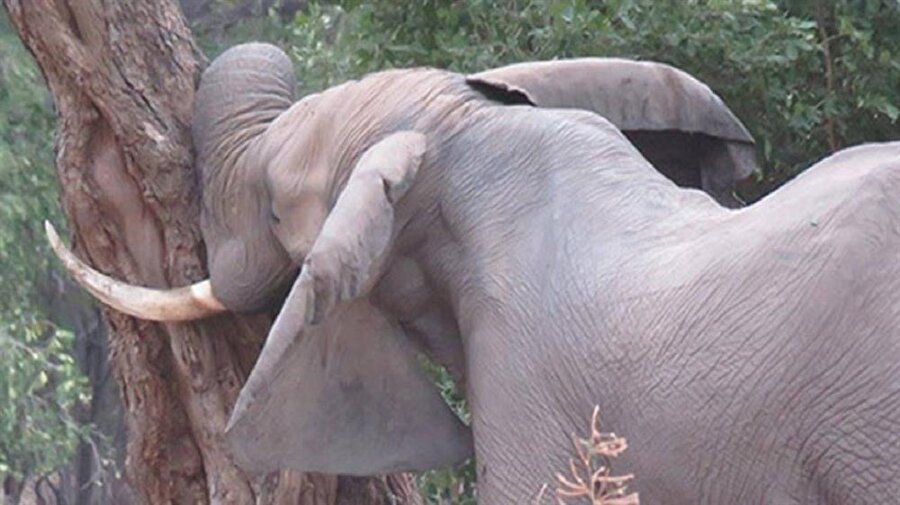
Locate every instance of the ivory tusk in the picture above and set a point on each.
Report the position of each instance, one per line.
(177, 304)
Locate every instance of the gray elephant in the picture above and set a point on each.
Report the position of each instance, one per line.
(749, 356)
(674, 120)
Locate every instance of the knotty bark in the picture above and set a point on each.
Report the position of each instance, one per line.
(122, 75)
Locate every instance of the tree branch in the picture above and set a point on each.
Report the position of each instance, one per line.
(829, 125)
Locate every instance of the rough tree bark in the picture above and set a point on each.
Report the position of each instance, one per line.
(122, 75)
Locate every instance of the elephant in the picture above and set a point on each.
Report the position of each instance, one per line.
(674, 120)
(500, 226)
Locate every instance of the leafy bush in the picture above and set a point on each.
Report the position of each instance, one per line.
(41, 387)
(806, 77)
(448, 485)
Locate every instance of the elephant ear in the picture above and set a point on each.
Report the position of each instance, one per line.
(344, 397)
(675, 120)
(337, 387)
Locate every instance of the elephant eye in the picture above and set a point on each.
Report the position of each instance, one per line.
(275, 218)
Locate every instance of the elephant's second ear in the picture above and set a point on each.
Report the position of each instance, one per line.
(346, 397)
(676, 121)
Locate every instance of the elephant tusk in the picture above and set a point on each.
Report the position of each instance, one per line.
(178, 304)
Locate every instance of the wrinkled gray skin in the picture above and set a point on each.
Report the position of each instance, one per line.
(749, 356)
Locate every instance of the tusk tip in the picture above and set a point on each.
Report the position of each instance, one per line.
(52, 236)
(56, 244)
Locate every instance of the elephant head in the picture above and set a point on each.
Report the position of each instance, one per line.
(285, 214)
(299, 200)
(241, 96)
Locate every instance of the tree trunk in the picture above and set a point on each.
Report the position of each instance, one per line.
(122, 75)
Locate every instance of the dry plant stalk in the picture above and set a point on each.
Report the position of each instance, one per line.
(590, 477)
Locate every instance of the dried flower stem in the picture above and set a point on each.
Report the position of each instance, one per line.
(590, 477)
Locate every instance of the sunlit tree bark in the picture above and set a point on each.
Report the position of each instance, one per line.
(122, 74)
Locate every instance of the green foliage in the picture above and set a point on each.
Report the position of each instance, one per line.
(40, 385)
(766, 59)
(454, 486)
(448, 485)
(27, 184)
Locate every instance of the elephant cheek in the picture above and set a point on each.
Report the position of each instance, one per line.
(297, 244)
(299, 224)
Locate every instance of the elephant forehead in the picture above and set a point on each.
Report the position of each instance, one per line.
(290, 127)
(297, 223)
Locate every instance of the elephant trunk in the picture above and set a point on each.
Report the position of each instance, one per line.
(240, 94)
